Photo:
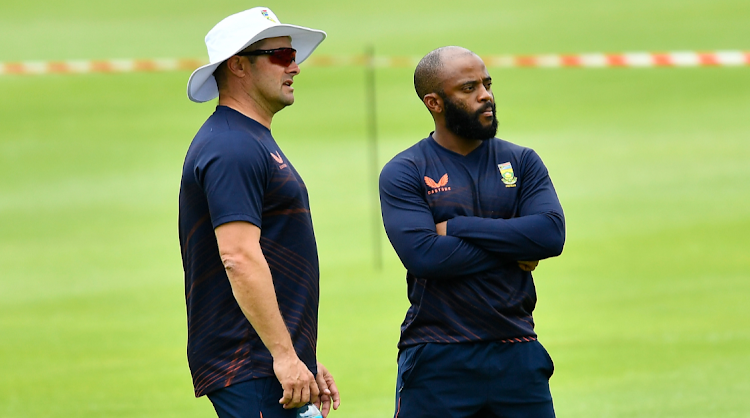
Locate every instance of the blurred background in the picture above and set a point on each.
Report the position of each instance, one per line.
(645, 313)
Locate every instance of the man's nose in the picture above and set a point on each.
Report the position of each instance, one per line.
(484, 94)
(293, 68)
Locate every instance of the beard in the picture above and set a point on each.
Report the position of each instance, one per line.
(462, 122)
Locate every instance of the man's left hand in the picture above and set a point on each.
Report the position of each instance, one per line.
(441, 228)
(528, 265)
(328, 391)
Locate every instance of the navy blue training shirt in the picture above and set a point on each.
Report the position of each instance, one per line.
(235, 171)
(501, 207)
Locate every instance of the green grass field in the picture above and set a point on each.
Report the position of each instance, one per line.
(645, 313)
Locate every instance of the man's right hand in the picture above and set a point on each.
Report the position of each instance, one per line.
(297, 381)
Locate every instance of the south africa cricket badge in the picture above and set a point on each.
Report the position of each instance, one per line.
(506, 170)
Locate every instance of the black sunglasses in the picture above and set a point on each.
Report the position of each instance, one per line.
(279, 56)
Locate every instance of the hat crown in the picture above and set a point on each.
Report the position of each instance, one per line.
(230, 35)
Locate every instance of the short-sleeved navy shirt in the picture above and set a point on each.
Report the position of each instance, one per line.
(235, 171)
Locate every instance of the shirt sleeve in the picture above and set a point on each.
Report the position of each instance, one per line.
(233, 172)
(410, 227)
(535, 233)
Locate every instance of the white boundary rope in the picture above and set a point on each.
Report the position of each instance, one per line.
(593, 60)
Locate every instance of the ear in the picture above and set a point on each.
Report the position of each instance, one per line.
(237, 66)
(433, 102)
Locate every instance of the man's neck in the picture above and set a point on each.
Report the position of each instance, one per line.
(452, 142)
(247, 108)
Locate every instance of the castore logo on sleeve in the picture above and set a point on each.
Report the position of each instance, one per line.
(278, 159)
(439, 186)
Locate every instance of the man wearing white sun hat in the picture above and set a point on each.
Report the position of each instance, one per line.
(248, 247)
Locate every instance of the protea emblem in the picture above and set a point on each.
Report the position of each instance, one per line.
(506, 170)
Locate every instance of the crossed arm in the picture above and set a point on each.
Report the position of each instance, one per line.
(465, 244)
(441, 229)
(411, 229)
(252, 286)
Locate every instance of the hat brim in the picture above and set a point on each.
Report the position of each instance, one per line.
(202, 84)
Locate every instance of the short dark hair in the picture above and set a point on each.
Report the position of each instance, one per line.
(220, 75)
(427, 74)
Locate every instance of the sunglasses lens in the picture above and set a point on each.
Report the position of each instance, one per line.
(283, 56)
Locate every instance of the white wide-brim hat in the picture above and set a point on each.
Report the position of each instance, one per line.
(237, 32)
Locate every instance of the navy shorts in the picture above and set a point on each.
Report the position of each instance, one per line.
(482, 380)
(256, 398)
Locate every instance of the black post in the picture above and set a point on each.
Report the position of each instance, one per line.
(373, 142)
